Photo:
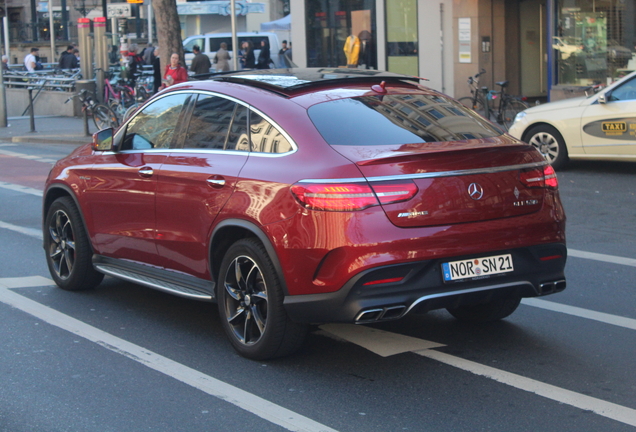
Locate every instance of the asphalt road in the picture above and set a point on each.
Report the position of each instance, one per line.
(125, 358)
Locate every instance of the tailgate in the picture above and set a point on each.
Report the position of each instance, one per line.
(468, 183)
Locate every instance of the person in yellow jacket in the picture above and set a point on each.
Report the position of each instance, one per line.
(352, 50)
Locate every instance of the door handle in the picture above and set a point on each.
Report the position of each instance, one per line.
(146, 172)
(216, 181)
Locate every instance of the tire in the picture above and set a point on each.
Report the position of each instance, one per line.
(250, 301)
(68, 250)
(550, 144)
(510, 111)
(130, 111)
(104, 117)
(494, 310)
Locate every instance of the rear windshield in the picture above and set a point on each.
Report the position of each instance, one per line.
(398, 119)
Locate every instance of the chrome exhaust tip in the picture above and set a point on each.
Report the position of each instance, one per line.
(551, 287)
(380, 314)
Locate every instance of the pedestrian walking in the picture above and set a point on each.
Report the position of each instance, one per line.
(148, 54)
(241, 55)
(175, 73)
(200, 63)
(68, 60)
(222, 59)
(263, 56)
(113, 55)
(250, 60)
(30, 60)
(156, 71)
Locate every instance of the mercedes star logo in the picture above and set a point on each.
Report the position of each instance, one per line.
(475, 191)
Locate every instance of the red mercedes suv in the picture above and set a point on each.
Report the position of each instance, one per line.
(299, 196)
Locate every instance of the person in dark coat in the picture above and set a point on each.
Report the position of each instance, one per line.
(68, 59)
(156, 71)
(200, 63)
(113, 55)
(263, 57)
(250, 61)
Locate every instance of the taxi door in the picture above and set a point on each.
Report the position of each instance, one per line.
(610, 128)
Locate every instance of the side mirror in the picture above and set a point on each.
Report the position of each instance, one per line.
(103, 140)
(601, 99)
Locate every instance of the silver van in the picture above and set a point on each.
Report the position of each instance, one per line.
(210, 43)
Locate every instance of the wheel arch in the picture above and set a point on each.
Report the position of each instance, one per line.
(226, 233)
(524, 135)
(56, 191)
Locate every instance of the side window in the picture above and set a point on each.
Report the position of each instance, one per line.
(154, 126)
(626, 91)
(210, 123)
(215, 43)
(238, 139)
(265, 137)
(187, 48)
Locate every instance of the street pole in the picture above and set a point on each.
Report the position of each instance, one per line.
(5, 24)
(150, 29)
(235, 47)
(3, 98)
(52, 32)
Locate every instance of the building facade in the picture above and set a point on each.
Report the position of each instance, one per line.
(543, 48)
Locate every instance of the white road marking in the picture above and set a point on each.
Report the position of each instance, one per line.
(22, 230)
(602, 257)
(25, 282)
(20, 188)
(364, 337)
(256, 405)
(606, 409)
(380, 342)
(26, 156)
(582, 313)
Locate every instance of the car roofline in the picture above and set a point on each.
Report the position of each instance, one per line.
(337, 76)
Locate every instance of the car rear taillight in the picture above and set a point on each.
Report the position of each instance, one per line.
(540, 177)
(351, 196)
(390, 192)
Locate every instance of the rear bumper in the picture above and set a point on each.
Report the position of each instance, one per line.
(539, 270)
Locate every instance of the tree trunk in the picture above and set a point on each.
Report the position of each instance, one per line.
(168, 31)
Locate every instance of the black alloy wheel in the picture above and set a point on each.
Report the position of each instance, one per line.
(250, 301)
(68, 251)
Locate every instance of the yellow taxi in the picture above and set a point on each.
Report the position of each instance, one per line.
(600, 126)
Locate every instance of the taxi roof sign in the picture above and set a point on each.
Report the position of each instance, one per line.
(135, 1)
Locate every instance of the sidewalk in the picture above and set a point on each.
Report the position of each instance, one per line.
(48, 130)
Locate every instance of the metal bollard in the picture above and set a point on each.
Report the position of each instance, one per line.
(31, 114)
(86, 131)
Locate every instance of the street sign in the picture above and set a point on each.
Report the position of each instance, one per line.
(119, 10)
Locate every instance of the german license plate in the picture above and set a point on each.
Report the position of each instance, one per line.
(477, 267)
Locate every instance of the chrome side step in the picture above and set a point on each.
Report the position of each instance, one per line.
(153, 282)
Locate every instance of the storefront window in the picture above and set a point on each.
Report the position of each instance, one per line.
(594, 41)
(341, 33)
(401, 36)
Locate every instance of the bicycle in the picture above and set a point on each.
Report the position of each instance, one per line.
(103, 116)
(509, 106)
(477, 102)
(118, 97)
